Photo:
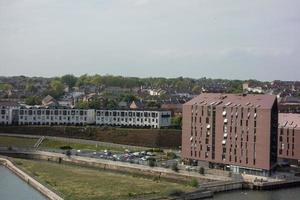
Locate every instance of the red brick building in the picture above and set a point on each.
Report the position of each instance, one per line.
(289, 137)
(234, 132)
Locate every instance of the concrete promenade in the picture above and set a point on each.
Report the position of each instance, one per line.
(32, 182)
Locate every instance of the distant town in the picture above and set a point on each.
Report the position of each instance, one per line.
(219, 134)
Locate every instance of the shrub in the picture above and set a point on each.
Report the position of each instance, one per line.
(68, 152)
(175, 192)
(194, 183)
(10, 148)
(152, 162)
(175, 167)
(171, 155)
(66, 147)
(202, 170)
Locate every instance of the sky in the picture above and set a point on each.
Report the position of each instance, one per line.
(257, 39)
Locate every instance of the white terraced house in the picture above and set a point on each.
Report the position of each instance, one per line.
(5, 115)
(134, 118)
(8, 113)
(54, 116)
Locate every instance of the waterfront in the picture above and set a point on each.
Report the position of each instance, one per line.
(290, 194)
(12, 187)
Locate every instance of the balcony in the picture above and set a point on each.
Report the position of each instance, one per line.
(224, 113)
(223, 142)
(225, 121)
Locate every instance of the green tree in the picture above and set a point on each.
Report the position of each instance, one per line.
(33, 100)
(69, 80)
(111, 104)
(56, 88)
(6, 86)
(175, 167)
(176, 121)
(129, 98)
(196, 89)
(194, 183)
(153, 104)
(82, 105)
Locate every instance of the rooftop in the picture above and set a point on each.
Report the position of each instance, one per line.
(290, 120)
(231, 100)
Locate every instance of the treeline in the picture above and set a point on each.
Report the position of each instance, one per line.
(55, 86)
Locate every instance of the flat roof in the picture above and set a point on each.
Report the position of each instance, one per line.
(231, 100)
(290, 120)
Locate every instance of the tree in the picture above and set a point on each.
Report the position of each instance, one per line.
(82, 105)
(30, 88)
(111, 104)
(152, 162)
(175, 167)
(33, 100)
(6, 86)
(176, 121)
(56, 89)
(129, 98)
(202, 171)
(196, 89)
(69, 80)
(194, 183)
(153, 104)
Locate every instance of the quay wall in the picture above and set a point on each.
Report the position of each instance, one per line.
(29, 180)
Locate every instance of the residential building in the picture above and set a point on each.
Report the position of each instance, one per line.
(55, 116)
(236, 132)
(289, 138)
(136, 105)
(8, 112)
(289, 104)
(49, 101)
(134, 118)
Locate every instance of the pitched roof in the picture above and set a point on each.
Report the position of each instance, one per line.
(246, 100)
(290, 120)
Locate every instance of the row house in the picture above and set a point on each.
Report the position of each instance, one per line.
(8, 112)
(54, 116)
(134, 118)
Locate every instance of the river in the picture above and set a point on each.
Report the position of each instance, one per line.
(13, 188)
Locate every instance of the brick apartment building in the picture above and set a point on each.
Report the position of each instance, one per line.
(236, 132)
(289, 138)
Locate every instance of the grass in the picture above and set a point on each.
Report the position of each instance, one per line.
(7, 141)
(77, 183)
(55, 144)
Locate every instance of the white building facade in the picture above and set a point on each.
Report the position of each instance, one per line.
(5, 115)
(8, 114)
(134, 118)
(54, 116)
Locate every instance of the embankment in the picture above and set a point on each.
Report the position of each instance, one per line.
(157, 172)
(163, 138)
(32, 182)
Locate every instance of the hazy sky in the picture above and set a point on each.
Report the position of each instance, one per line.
(236, 39)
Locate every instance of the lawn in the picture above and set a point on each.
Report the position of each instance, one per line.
(7, 141)
(55, 144)
(77, 183)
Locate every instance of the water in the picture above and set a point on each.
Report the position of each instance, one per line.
(284, 194)
(13, 188)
